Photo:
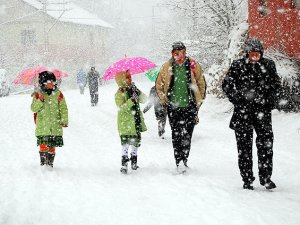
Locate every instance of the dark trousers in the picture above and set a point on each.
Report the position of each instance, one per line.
(182, 122)
(161, 125)
(94, 96)
(264, 144)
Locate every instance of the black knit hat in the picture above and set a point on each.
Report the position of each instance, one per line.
(46, 76)
(253, 45)
(178, 46)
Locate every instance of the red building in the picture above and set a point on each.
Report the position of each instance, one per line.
(277, 24)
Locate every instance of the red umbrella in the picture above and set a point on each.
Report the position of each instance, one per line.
(30, 75)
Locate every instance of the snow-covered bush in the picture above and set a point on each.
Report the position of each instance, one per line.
(216, 73)
(289, 71)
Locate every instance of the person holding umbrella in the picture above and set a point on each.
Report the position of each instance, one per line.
(181, 87)
(130, 118)
(51, 115)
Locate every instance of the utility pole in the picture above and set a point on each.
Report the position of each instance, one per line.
(46, 38)
(47, 30)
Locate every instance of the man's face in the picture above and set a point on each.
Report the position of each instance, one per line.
(179, 55)
(254, 57)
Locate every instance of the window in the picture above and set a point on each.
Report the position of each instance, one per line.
(262, 8)
(295, 3)
(28, 37)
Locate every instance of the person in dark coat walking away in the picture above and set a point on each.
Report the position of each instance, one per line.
(93, 78)
(181, 87)
(81, 80)
(253, 87)
(159, 110)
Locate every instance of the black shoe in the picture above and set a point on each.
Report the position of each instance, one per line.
(124, 169)
(134, 165)
(43, 158)
(50, 157)
(185, 163)
(248, 186)
(124, 163)
(269, 185)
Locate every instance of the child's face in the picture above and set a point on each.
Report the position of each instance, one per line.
(49, 85)
(128, 79)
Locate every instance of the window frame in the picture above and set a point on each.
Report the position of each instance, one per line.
(28, 37)
(262, 8)
(295, 4)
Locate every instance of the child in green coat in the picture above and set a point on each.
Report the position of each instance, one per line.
(51, 115)
(130, 118)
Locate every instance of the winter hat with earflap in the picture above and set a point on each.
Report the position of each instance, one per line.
(253, 45)
(178, 46)
(44, 77)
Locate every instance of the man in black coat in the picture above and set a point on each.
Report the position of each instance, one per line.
(93, 79)
(253, 86)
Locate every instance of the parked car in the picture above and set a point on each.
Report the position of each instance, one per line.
(4, 84)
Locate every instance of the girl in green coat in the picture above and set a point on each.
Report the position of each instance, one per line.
(51, 115)
(130, 118)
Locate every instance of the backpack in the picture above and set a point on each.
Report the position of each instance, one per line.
(60, 98)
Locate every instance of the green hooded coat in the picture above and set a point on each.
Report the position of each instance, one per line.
(126, 121)
(52, 115)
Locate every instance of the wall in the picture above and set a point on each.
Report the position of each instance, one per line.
(279, 29)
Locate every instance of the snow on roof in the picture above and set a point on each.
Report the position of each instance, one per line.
(67, 11)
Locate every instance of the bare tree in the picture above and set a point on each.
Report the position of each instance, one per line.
(205, 25)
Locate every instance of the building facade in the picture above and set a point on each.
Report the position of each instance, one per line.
(277, 24)
(60, 35)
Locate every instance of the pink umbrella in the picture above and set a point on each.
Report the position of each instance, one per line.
(30, 75)
(135, 65)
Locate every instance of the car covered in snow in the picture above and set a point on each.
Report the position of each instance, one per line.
(4, 84)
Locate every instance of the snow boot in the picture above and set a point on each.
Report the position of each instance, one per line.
(50, 157)
(134, 165)
(249, 184)
(124, 162)
(43, 158)
(268, 184)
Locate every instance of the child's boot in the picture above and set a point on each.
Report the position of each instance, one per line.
(124, 164)
(43, 158)
(50, 157)
(134, 165)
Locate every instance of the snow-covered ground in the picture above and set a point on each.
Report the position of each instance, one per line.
(86, 188)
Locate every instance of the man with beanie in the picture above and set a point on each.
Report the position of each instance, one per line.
(253, 86)
(181, 87)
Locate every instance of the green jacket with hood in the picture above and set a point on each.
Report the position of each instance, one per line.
(126, 121)
(52, 114)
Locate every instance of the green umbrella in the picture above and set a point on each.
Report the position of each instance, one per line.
(152, 74)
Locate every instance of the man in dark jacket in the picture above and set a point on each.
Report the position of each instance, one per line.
(252, 86)
(159, 109)
(93, 78)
